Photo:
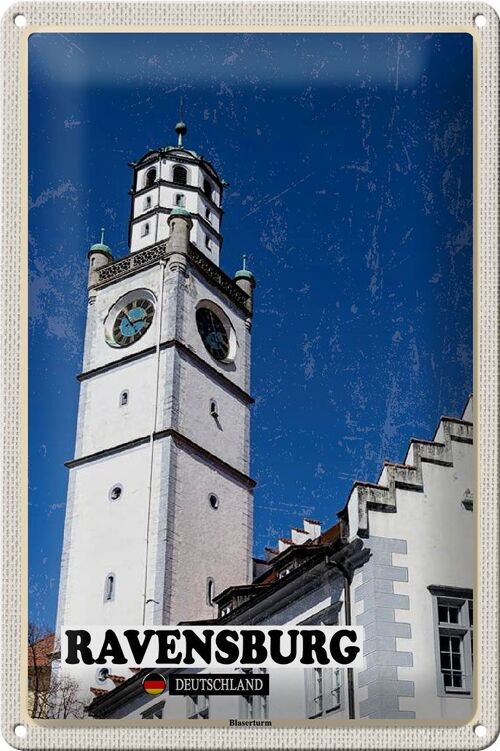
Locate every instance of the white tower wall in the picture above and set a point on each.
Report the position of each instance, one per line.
(161, 539)
(157, 190)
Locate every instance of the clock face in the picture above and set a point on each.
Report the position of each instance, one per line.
(132, 321)
(213, 333)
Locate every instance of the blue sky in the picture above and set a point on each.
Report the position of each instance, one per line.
(349, 158)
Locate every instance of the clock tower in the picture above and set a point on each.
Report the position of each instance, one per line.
(159, 507)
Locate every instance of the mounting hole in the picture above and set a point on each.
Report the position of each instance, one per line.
(21, 731)
(480, 731)
(20, 21)
(480, 21)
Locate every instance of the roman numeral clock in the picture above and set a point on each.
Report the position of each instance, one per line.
(130, 321)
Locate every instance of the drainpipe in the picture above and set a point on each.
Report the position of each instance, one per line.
(347, 576)
(348, 622)
(354, 556)
(153, 430)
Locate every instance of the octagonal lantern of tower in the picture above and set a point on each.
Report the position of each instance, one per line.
(171, 177)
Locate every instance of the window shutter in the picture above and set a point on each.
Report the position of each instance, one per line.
(330, 694)
(311, 706)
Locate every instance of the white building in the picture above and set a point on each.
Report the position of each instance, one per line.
(159, 515)
(400, 562)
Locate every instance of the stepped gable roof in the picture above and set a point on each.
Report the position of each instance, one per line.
(381, 495)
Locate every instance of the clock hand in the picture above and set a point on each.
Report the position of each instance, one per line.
(137, 320)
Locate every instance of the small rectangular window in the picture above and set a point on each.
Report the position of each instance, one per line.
(144, 230)
(147, 202)
(109, 588)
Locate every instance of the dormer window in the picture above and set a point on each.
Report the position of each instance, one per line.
(283, 573)
(179, 175)
(225, 610)
(151, 176)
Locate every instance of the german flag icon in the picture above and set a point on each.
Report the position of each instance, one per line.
(154, 684)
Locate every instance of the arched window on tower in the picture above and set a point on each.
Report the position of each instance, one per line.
(179, 175)
(207, 189)
(109, 588)
(150, 176)
(124, 398)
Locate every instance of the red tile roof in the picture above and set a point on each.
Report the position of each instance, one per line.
(40, 653)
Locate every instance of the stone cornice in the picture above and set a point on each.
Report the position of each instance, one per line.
(143, 259)
(180, 440)
(213, 372)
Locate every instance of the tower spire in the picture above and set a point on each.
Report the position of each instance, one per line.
(181, 127)
(102, 235)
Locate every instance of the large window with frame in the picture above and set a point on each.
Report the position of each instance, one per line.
(323, 691)
(198, 707)
(453, 622)
(254, 706)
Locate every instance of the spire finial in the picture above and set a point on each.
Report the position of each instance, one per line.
(244, 262)
(181, 127)
(102, 235)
